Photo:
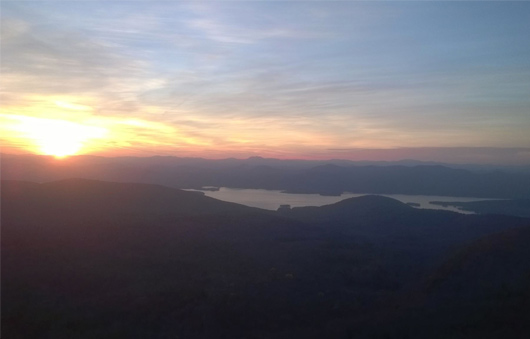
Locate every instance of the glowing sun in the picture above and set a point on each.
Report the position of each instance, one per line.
(59, 138)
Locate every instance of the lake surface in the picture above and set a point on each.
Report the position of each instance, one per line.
(271, 200)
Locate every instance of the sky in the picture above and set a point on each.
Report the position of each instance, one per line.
(438, 81)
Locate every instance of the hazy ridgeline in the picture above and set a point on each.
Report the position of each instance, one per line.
(294, 176)
(91, 259)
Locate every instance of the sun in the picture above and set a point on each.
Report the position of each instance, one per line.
(59, 138)
(59, 148)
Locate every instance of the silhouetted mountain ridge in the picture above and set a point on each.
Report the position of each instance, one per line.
(294, 176)
(110, 197)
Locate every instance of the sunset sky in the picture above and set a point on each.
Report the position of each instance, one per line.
(442, 81)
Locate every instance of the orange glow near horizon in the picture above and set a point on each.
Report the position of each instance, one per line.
(92, 135)
(74, 130)
(59, 138)
(63, 126)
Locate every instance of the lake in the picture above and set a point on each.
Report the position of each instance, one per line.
(271, 200)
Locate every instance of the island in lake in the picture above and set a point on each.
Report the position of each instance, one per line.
(514, 207)
(209, 188)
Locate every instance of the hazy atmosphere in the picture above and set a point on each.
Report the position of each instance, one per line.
(265, 169)
(436, 81)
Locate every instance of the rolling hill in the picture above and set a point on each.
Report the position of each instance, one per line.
(91, 259)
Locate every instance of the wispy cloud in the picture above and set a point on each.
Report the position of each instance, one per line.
(280, 77)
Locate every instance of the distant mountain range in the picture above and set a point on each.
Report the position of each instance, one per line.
(294, 176)
(92, 259)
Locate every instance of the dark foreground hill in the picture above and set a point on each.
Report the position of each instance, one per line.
(482, 291)
(90, 259)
